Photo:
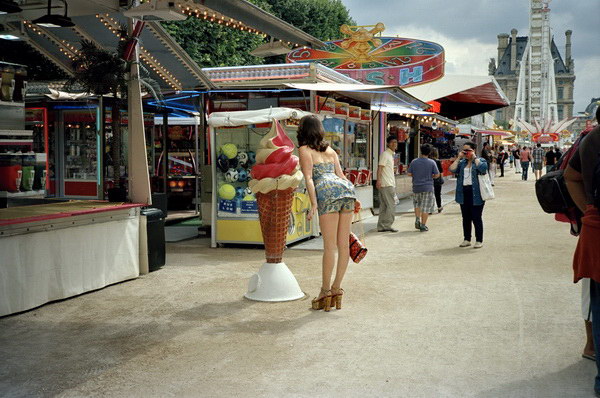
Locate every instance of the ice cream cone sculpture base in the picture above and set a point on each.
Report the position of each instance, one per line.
(274, 282)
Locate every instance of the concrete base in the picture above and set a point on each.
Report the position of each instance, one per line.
(274, 282)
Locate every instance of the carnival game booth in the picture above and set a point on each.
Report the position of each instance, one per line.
(353, 118)
(61, 249)
(234, 139)
(311, 88)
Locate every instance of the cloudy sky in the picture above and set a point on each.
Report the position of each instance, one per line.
(468, 29)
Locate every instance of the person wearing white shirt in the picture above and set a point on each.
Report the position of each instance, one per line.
(386, 185)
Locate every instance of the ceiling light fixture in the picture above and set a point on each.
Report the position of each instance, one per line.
(9, 7)
(55, 21)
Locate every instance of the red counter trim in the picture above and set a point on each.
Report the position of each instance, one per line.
(55, 216)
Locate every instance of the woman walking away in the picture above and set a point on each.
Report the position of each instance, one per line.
(437, 182)
(467, 167)
(525, 159)
(334, 196)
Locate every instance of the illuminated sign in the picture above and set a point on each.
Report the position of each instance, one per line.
(378, 60)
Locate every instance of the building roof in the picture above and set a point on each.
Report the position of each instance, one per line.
(168, 64)
(504, 62)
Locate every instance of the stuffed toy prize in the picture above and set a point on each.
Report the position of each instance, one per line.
(242, 175)
(223, 163)
(251, 158)
(230, 150)
(227, 192)
(231, 175)
(239, 192)
(242, 158)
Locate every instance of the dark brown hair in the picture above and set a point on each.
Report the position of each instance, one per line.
(310, 133)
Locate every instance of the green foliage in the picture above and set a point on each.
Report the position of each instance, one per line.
(99, 71)
(319, 18)
(211, 44)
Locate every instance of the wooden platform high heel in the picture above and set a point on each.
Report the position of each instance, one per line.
(336, 298)
(323, 302)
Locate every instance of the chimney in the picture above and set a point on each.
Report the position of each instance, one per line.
(513, 49)
(502, 44)
(568, 59)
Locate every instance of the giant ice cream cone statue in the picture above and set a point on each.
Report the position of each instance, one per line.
(274, 178)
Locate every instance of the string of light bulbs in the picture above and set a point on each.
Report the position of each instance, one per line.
(113, 25)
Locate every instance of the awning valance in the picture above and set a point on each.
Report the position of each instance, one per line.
(242, 118)
(462, 96)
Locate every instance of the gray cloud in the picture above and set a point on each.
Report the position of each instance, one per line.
(483, 20)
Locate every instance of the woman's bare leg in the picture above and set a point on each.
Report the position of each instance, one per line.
(329, 228)
(343, 247)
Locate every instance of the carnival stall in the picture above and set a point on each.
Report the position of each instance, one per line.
(351, 126)
(234, 139)
(64, 248)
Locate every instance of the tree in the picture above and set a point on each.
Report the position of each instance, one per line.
(211, 44)
(319, 18)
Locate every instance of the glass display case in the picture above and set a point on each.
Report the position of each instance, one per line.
(357, 153)
(236, 208)
(334, 134)
(81, 141)
(352, 142)
(174, 164)
(36, 120)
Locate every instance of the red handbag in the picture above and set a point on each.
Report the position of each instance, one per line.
(358, 250)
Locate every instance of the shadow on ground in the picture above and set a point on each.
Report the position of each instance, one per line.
(551, 385)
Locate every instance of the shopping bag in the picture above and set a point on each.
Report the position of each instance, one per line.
(358, 250)
(485, 187)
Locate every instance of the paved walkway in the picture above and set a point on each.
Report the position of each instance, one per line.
(421, 318)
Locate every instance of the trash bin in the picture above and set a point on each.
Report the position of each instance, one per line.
(155, 228)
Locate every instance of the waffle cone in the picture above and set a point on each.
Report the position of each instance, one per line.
(274, 213)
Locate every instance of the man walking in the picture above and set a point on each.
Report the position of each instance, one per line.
(550, 160)
(423, 170)
(517, 156)
(538, 161)
(525, 159)
(386, 185)
(502, 156)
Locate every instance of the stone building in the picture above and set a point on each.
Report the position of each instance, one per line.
(506, 72)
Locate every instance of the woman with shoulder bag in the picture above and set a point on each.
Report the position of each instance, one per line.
(467, 167)
(437, 182)
(333, 195)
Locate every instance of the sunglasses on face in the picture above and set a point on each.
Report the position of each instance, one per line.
(467, 150)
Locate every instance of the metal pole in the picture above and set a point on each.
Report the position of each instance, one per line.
(165, 158)
(138, 175)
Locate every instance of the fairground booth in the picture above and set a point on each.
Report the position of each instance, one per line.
(345, 106)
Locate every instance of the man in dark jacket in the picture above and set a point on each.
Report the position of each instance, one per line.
(502, 157)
